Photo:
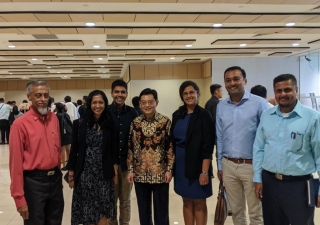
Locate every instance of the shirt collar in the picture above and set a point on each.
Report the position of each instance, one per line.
(115, 110)
(245, 97)
(155, 118)
(297, 110)
(37, 116)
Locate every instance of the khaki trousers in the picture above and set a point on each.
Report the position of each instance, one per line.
(238, 180)
(122, 191)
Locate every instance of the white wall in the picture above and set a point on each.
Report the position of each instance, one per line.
(259, 70)
(309, 79)
(168, 92)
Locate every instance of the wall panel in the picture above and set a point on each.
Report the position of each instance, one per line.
(166, 71)
(151, 72)
(180, 71)
(194, 71)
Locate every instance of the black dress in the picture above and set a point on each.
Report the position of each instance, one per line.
(93, 195)
(65, 134)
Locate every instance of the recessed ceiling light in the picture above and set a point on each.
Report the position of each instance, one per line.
(295, 44)
(1, 211)
(188, 46)
(102, 66)
(11, 46)
(290, 24)
(10, 73)
(96, 46)
(103, 71)
(100, 58)
(49, 67)
(217, 25)
(90, 24)
(24, 77)
(172, 58)
(58, 72)
(175, 222)
(65, 76)
(243, 45)
(34, 59)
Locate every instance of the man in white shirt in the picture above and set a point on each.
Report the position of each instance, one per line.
(4, 122)
(71, 108)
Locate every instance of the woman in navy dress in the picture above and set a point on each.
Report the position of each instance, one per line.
(193, 133)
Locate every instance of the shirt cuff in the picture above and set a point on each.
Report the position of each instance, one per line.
(257, 178)
(130, 169)
(219, 165)
(20, 201)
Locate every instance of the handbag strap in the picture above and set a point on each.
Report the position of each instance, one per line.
(2, 106)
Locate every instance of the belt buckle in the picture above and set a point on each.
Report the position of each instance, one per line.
(50, 173)
(278, 176)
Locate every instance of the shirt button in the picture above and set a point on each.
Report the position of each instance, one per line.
(120, 141)
(120, 132)
(120, 124)
(120, 149)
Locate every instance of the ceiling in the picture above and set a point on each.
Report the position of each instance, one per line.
(50, 38)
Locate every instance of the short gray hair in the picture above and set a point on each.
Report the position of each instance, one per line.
(36, 83)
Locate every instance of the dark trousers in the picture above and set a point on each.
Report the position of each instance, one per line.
(285, 202)
(44, 198)
(4, 128)
(160, 193)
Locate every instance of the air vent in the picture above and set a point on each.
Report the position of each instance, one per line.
(318, 7)
(117, 36)
(45, 36)
(116, 55)
(64, 56)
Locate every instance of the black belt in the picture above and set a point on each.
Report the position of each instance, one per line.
(288, 178)
(42, 173)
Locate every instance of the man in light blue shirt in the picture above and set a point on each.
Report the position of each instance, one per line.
(237, 120)
(4, 121)
(286, 151)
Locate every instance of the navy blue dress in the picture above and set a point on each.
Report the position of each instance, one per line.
(185, 187)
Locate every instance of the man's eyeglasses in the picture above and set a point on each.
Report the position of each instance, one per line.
(235, 80)
(185, 94)
(150, 102)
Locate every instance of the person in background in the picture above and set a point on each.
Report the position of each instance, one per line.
(5, 110)
(79, 103)
(286, 151)
(150, 160)
(237, 120)
(192, 130)
(92, 164)
(24, 106)
(13, 103)
(14, 115)
(273, 101)
(122, 116)
(83, 107)
(261, 91)
(34, 161)
(71, 108)
(65, 133)
(216, 94)
(135, 103)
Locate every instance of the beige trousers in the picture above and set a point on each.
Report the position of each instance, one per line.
(122, 191)
(238, 180)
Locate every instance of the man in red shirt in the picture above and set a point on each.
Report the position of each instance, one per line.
(36, 184)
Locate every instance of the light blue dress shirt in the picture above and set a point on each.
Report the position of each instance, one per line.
(288, 145)
(5, 111)
(236, 126)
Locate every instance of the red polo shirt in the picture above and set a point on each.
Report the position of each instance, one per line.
(34, 144)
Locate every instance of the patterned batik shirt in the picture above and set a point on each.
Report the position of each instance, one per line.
(150, 153)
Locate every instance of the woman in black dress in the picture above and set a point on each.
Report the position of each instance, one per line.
(65, 133)
(193, 135)
(92, 164)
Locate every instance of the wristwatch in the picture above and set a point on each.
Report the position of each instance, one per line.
(204, 172)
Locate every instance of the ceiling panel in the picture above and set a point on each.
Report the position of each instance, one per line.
(90, 30)
(279, 53)
(58, 52)
(298, 18)
(301, 2)
(157, 1)
(118, 18)
(9, 31)
(241, 18)
(34, 30)
(139, 43)
(266, 1)
(2, 20)
(245, 42)
(145, 30)
(171, 30)
(117, 43)
(37, 52)
(19, 62)
(118, 30)
(314, 20)
(211, 18)
(222, 31)
(86, 17)
(47, 43)
(314, 42)
(19, 17)
(195, 1)
(270, 18)
(270, 30)
(183, 42)
(154, 51)
(77, 52)
(295, 31)
(182, 18)
(22, 43)
(246, 31)
(150, 18)
(118, 1)
(53, 17)
(63, 30)
(17, 52)
(133, 56)
(313, 31)
(197, 30)
(161, 42)
(172, 51)
(71, 43)
(232, 1)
